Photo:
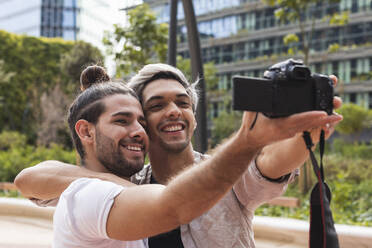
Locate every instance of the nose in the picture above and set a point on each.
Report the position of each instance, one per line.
(173, 111)
(138, 132)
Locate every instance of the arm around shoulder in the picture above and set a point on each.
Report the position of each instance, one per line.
(40, 181)
(48, 179)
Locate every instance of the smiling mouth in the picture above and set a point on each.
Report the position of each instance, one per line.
(134, 147)
(173, 128)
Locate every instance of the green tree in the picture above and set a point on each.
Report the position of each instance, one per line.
(142, 42)
(74, 61)
(5, 78)
(210, 76)
(33, 66)
(305, 15)
(356, 118)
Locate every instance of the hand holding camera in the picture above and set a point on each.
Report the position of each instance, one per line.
(289, 90)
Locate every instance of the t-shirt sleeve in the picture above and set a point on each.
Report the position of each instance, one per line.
(89, 202)
(252, 189)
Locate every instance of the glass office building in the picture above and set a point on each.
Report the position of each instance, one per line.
(243, 37)
(69, 19)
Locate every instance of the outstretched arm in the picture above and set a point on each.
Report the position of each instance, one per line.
(147, 210)
(139, 211)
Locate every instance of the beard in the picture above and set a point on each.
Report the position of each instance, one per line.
(174, 148)
(113, 159)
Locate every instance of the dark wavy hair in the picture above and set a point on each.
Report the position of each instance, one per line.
(93, 74)
(89, 104)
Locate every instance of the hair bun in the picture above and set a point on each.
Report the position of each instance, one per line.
(91, 75)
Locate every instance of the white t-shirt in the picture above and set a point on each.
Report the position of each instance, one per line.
(81, 216)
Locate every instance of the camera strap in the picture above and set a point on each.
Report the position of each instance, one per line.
(322, 232)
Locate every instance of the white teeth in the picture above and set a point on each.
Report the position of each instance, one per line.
(173, 128)
(134, 148)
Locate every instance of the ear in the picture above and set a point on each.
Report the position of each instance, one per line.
(196, 123)
(86, 131)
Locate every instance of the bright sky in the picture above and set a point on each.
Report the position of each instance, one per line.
(127, 3)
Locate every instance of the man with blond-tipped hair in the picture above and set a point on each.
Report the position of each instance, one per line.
(169, 102)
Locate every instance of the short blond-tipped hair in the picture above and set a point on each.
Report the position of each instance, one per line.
(152, 72)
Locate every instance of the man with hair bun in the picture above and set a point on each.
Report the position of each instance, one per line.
(107, 126)
(93, 74)
(266, 157)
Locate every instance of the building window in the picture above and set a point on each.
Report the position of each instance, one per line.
(353, 97)
(362, 66)
(344, 71)
(227, 54)
(215, 110)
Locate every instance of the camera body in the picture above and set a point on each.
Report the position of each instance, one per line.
(287, 88)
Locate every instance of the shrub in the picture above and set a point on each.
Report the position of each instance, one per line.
(9, 139)
(349, 178)
(15, 155)
(352, 150)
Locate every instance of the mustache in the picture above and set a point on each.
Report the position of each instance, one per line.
(131, 141)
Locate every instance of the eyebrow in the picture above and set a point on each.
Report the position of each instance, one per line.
(154, 98)
(128, 114)
(162, 97)
(183, 95)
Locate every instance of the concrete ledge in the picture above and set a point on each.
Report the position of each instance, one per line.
(296, 231)
(285, 230)
(24, 207)
(7, 186)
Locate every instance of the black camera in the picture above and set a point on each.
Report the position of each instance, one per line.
(287, 88)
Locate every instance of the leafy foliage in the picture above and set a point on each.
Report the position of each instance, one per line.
(303, 14)
(224, 125)
(74, 61)
(352, 150)
(4, 76)
(16, 155)
(290, 38)
(349, 180)
(356, 118)
(33, 67)
(34, 63)
(142, 42)
(11, 139)
(333, 48)
(210, 71)
(339, 19)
